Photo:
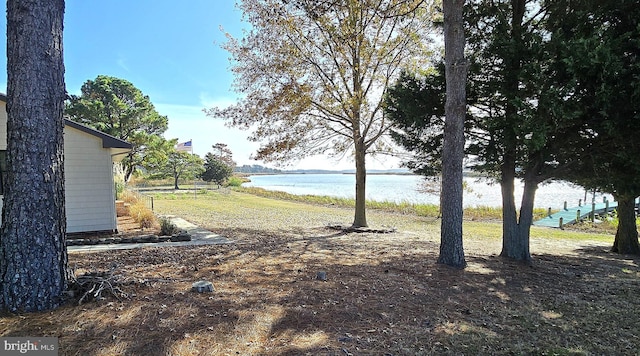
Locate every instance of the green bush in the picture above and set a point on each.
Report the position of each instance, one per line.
(167, 228)
(234, 181)
(119, 189)
(612, 219)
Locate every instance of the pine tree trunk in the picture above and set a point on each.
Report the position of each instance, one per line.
(512, 238)
(526, 215)
(626, 241)
(33, 256)
(360, 218)
(509, 213)
(509, 218)
(516, 231)
(451, 247)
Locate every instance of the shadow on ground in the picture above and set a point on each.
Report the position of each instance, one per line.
(384, 295)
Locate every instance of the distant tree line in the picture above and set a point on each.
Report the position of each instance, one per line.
(256, 168)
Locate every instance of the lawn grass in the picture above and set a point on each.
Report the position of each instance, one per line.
(480, 222)
(427, 210)
(384, 293)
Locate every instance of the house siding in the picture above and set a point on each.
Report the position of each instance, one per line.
(89, 187)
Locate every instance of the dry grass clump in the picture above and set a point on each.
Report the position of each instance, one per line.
(138, 210)
(129, 197)
(142, 215)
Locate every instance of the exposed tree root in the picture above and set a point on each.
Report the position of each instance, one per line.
(362, 229)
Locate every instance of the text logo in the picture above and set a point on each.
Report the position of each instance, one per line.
(32, 346)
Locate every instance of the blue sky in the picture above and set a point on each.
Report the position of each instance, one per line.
(171, 51)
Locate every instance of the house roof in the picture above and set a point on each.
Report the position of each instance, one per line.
(108, 141)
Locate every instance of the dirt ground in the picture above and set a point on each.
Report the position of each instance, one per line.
(383, 295)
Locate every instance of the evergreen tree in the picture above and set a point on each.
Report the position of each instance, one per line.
(218, 164)
(513, 128)
(451, 249)
(116, 107)
(215, 170)
(598, 49)
(33, 253)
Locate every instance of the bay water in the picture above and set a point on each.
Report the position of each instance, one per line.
(410, 189)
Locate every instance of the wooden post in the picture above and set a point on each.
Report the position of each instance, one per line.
(580, 201)
(561, 223)
(549, 212)
(606, 207)
(565, 205)
(578, 215)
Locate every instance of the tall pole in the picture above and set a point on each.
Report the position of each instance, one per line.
(195, 192)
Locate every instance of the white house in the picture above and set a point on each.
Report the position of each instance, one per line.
(88, 166)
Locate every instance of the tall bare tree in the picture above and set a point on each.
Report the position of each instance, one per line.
(451, 248)
(313, 74)
(33, 257)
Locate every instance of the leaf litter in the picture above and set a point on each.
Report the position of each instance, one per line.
(383, 294)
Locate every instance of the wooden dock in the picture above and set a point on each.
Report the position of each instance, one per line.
(571, 215)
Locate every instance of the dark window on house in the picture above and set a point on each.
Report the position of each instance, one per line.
(3, 170)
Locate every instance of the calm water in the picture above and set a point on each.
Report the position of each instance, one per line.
(406, 188)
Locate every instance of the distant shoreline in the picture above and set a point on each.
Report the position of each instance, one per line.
(370, 173)
(384, 173)
(399, 173)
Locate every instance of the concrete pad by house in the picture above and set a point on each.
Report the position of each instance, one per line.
(199, 236)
